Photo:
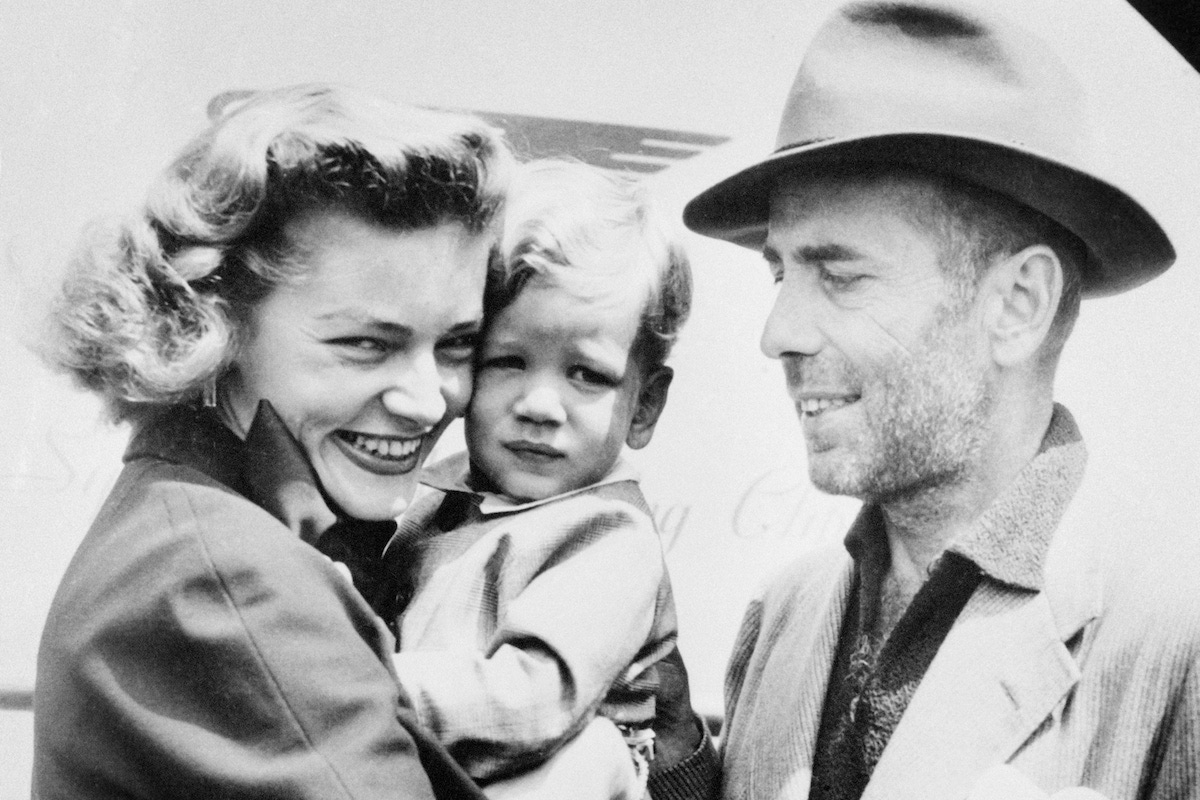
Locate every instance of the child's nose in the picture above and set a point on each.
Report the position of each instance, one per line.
(541, 404)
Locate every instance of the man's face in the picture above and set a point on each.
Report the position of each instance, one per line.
(888, 370)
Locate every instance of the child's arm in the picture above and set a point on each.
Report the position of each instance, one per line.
(595, 765)
(560, 642)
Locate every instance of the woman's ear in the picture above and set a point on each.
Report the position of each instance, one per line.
(651, 401)
(1023, 295)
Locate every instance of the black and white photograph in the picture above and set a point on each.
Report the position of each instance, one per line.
(758, 400)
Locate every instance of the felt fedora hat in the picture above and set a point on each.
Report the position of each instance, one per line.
(934, 87)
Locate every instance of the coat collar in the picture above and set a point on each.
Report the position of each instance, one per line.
(269, 468)
(193, 437)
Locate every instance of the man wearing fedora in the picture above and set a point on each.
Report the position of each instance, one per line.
(998, 620)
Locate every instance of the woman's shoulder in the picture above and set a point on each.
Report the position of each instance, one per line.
(168, 497)
(171, 545)
(173, 522)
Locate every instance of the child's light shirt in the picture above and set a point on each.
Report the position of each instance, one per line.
(525, 619)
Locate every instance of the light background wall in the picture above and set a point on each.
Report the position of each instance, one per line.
(95, 97)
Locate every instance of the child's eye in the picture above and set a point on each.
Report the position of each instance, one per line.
(591, 377)
(502, 362)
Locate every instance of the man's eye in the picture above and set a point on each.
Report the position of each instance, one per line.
(840, 280)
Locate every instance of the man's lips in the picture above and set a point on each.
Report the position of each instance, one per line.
(812, 404)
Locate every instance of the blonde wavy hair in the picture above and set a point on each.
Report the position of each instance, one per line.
(573, 225)
(152, 305)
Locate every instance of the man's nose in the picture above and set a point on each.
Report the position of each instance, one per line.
(791, 327)
(542, 404)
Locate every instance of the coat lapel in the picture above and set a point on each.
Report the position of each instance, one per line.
(789, 700)
(1002, 671)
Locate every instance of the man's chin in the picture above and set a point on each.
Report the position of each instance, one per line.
(831, 473)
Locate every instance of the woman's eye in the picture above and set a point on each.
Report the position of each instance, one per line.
(361, 345)
(459, 348)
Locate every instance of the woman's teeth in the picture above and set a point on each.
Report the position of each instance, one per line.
(813, 407)
(381, 447)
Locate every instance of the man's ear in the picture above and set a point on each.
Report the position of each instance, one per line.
(1023, 292)
(651, 401)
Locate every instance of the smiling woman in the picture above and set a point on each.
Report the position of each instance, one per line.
(369, 359)
(289, 325)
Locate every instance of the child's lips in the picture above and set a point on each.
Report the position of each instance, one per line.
(534, 451)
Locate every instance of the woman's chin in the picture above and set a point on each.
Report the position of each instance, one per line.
(368, 496)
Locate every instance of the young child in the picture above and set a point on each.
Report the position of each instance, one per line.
(537, 593)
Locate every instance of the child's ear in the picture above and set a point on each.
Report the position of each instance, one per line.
(651, 401)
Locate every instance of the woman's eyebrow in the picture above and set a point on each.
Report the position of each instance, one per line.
(356, 317)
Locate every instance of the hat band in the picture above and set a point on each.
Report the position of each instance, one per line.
(804, 143)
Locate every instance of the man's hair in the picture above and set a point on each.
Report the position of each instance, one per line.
(978, 227)
(981, 227)
(576, 226)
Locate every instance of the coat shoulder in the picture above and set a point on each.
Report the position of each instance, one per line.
(810, 576)
(1140, 563)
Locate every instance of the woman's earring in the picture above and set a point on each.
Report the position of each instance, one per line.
(209, 393)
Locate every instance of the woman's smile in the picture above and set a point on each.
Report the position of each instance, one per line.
(392, 455)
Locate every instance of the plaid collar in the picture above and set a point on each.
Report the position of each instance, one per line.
(455, 474)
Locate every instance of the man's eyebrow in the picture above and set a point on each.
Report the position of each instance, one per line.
(821, 253)
(813, 254)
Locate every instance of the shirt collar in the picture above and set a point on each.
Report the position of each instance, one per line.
(1009, 541)
(453, 474)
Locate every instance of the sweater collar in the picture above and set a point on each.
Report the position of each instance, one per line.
(1009, 541)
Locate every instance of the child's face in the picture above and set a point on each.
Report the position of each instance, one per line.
(558, 391)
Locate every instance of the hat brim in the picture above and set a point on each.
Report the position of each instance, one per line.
(1126, 247)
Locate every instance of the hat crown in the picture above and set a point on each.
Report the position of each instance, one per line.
(919, 84)
(883, 67)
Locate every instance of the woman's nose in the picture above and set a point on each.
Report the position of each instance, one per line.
(417, 391)
(541, 404)
(792, 327)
